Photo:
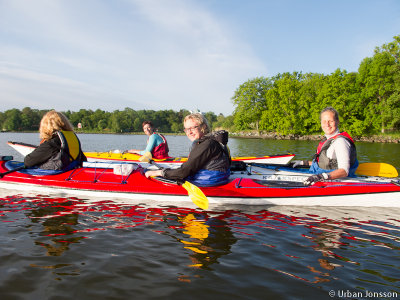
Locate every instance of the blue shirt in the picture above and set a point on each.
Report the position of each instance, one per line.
(154, 141)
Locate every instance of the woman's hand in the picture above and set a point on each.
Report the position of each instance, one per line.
(153, 173)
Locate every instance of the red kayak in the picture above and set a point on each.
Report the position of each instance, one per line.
(244, 188)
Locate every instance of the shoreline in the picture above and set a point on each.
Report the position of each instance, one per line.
(315, 137)
(261, 135)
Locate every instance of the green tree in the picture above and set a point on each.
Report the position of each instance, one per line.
(137, 125)
(282, 102)
(211, 118)
(309, 106)
(376, 78)
(341, 91)
(393, 49)
(13, 120)
(102, 124)
(30, 119)
(249, 100)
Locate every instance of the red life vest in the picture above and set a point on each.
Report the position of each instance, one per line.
(321, 143)
(324, 162)
(161, 151)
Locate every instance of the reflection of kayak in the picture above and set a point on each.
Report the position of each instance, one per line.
(249, 188)
(116, 155)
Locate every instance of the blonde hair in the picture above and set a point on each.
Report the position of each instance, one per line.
(201, 121)
(53, 121)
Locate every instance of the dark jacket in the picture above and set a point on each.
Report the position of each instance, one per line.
(207, 154)
(53, 155)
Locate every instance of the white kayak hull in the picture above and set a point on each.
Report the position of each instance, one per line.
(363, 200)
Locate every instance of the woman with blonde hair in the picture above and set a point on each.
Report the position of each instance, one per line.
(60, 148)
(209, 161)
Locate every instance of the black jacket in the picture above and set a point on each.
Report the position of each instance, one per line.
(47, 151)
(206, 153)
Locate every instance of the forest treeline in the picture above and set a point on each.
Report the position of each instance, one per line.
(368, 102)
(100, 121)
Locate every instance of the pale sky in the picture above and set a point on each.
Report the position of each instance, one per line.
(175, 54)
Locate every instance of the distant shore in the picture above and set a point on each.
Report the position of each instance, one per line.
(272, 136)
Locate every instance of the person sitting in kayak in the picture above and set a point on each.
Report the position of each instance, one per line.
(156, 143)
(60, 148)
(336, 155)
(209, 160)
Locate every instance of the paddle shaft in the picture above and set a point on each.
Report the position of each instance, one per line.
(11, 171)
(194, 193)
(156, 164)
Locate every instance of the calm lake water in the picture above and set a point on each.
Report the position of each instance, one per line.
(71, 248)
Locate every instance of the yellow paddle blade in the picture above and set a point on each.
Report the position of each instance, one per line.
(146, 157)
(377, 169)
(196, 195)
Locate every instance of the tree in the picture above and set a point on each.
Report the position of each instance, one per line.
(30, 119)
(211, 118)
(13, 121)
(341, 91)
(249, 100)
(309, 103)
(393, 49)
(376, 78)
(282, 102)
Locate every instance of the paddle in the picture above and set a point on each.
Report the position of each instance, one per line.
(195, 194)
(364, 169)
(147, 157)
(11, 171)
(377, 169)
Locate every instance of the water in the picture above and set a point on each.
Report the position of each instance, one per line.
(70, 248)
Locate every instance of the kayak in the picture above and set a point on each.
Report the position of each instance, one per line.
(118, 155)
(252, 186)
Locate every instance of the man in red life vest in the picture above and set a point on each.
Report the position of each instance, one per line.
(336, 155)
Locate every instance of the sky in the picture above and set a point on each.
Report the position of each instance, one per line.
(175, 54)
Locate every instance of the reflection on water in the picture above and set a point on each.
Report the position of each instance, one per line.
(58, 222)
(207, 238)
(118, 245)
